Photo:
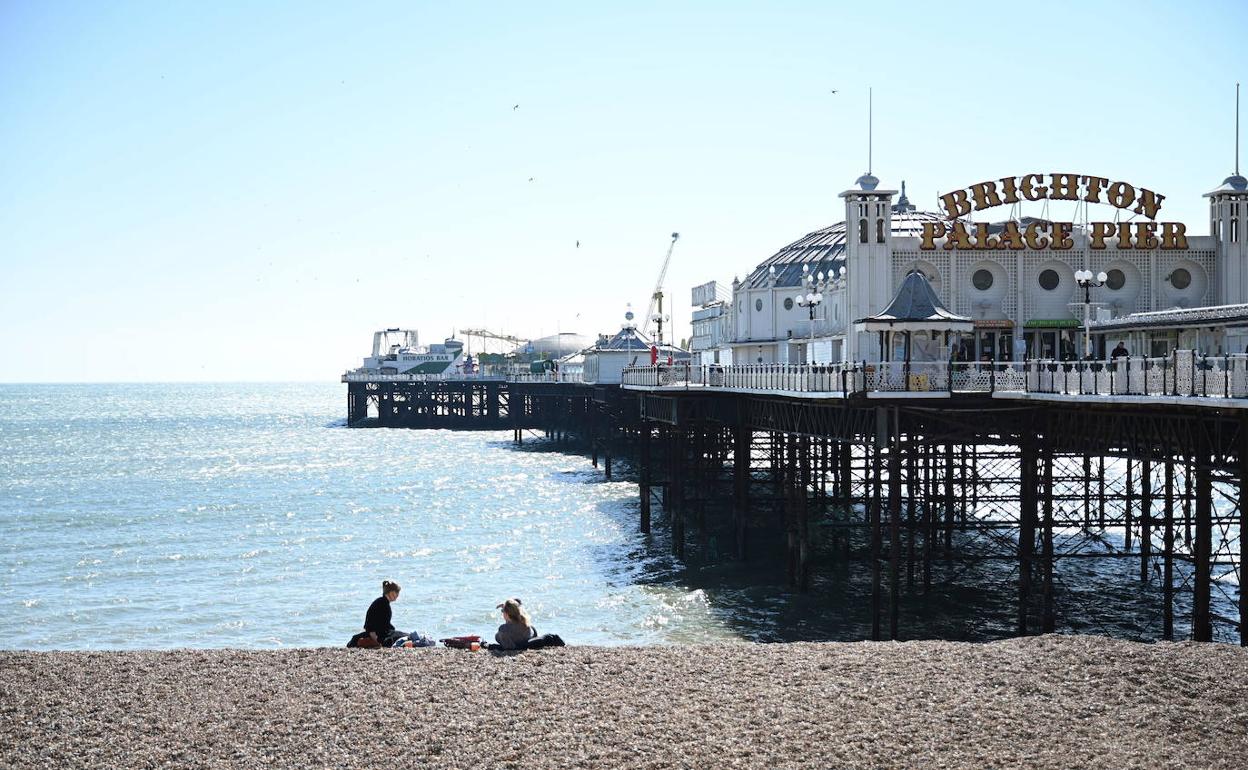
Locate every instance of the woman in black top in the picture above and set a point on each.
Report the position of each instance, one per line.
(377, 625)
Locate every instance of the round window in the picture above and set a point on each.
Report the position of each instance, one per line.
(982, 279)
(788, 303)
(1049, 279)
(1115, 279)
(758, 304)
(1180, 278)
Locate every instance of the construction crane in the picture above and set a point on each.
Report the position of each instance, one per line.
(655, 313)
(486, 334)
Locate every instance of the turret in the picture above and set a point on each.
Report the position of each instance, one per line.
(1228, 212)
(868, 261)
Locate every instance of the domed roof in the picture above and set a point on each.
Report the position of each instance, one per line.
(1235, 183)
(824, 250)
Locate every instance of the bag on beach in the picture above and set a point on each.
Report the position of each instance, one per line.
(462, 642)
(544, 641)
(363, 641)
(414, 639)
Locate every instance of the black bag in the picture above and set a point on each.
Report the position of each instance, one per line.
(544, 641)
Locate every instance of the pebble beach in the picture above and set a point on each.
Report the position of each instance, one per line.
(1051, 701)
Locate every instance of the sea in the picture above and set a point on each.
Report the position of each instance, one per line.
(159, 516)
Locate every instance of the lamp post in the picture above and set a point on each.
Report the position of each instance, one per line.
(811, 300)
(1088, 281)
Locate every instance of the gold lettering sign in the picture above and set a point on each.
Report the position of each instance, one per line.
(958, 233)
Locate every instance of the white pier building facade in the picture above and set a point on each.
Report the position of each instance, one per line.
(1014, 276)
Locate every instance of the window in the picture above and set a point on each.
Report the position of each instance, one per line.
(1180, 278)
(1115, 279)
(788, 303)
(1049, 280)
(758, 304)
(862, 231)
(879, 231)
(1234, 231)
(982, 279)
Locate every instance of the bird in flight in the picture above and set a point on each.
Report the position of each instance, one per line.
(530, 179)
(832, 91)
(578, 244)
(515, 107)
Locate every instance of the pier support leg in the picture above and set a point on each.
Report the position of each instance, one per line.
(1129, 503)
(1202, 626)
(929, 521)
(894, 537)
(949, 503)
(1026, 527)
(1146, 517)
(742, 442)
(1100, 492)
(1046, 491)
(1243, 531)
(875, 504)
(1167, 547)
(1087, 492)
(913, 489)
(645, 477)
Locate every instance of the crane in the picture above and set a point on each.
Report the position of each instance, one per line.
(485, 334)
(655, 313)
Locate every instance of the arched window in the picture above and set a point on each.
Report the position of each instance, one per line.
(879, 231)
(1234, 231)
(862, 231)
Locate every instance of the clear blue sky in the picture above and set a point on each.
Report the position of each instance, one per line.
(222, 191)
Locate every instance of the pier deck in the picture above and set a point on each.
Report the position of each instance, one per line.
(892, 473)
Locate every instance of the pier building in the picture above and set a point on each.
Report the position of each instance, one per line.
(1017, 279)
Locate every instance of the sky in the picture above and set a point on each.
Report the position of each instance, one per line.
(246, 191)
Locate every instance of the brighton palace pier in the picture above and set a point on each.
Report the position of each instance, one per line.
(1013, 281)
(1045, 416)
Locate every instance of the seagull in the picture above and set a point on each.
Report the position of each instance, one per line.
(578, 244)
(515, 107)
(832, 91)
(530, 179)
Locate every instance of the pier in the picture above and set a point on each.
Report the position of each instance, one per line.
(908, 475)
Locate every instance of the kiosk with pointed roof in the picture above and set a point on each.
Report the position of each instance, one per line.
(915, 310)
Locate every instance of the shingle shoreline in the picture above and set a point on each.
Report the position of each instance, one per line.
(1048, 701)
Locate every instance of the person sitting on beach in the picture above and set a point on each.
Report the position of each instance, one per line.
(377, 625)
(516, 632)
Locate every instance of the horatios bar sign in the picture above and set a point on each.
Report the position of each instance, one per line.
(960, 234)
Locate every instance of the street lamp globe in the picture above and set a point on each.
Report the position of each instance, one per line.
(1102, 277)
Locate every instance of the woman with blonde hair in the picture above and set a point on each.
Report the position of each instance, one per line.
(515, 633)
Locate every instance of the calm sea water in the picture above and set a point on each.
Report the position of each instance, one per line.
(155, 516)
(159, 516)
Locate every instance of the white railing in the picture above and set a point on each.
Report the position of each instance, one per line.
(376, 377)
(546, 377)
(1183, 373)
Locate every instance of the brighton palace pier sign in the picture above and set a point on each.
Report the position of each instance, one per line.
(959, 234)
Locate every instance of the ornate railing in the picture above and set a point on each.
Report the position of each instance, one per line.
(1183, 373)
(546, 377)
(358, 376)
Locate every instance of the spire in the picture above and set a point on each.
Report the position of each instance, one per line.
(867, 181)
(1235, 183)
(903, 203)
